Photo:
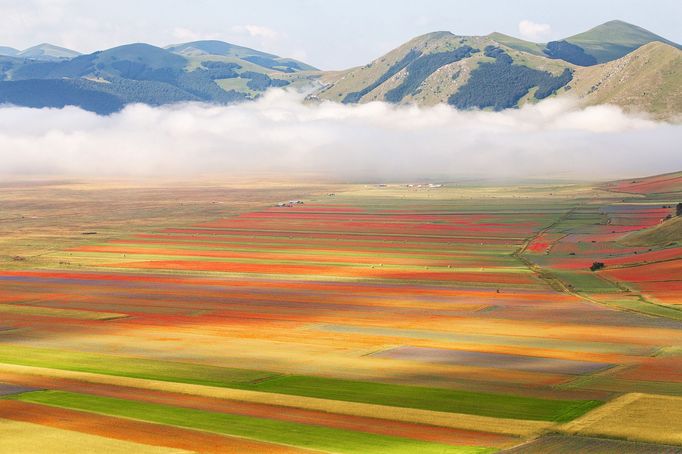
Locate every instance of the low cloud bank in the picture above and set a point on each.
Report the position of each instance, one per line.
(371, 142)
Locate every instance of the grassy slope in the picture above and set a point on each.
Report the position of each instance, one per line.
(48, 52)
(437, 399)
(442, 83)
(668, 232)
(518, 44)
(202, 49)
(614, 39)
(649, 79)
(281, 432)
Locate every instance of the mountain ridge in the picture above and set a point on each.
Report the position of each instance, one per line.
(495, 71)
(509, 72)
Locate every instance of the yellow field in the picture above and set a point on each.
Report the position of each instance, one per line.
(27, 438)
(15, 309)
(636, 417)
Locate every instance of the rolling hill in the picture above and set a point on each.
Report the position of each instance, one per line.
(47, 52)
(614, 39)
(463, 71)
(647, 80)
(105, 81)
(8, 51)
(601, 44)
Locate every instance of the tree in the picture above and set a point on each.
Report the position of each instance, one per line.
(597, 266)
(679, 209)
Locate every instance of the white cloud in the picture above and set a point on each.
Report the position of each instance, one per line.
(376, 141)
(533, 31)
(182, 34)
(258, 31)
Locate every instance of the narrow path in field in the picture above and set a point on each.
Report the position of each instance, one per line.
(546, 276)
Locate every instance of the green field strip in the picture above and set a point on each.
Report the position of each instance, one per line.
(490, 339)
(434, 399)
(36, 311)
(585, 281)
(268, 430)
(149, 369)
(639, 304)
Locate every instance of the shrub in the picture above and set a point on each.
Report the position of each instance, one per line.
(596, 266)
(569, 52)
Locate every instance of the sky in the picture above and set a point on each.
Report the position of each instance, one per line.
(331, 34)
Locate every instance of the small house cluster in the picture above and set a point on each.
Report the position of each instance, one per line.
(432, 185)
(289, 204)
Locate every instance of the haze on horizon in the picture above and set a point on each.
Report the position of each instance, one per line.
(280, 135)
(329, 35)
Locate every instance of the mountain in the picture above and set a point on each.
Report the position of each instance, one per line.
(8, 51)
(604, 43)
(47, 52)
(616, 63)
(647, 80)
(641, 72)
(221, 50)
(613, 40)
(463, 71)
(105, 81)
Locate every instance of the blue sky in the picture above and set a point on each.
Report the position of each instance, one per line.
(329, 34)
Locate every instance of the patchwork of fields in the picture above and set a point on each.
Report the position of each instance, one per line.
(374, 319)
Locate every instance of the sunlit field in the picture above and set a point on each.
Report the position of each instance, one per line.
(236, 317)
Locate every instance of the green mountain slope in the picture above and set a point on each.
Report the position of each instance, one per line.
(48, 52)
(202, 49)
(614, 39)
(464, 71)
(646, 80)
(518, 44)
(499, 71)
(148, 74)
(669, 231)
(8, 51)
(615, 63)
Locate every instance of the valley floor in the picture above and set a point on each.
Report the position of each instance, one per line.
(392, 318)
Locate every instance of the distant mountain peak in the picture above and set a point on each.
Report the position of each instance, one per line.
(8, 51)
(214, 48)
(614, 39)
(46, 51)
